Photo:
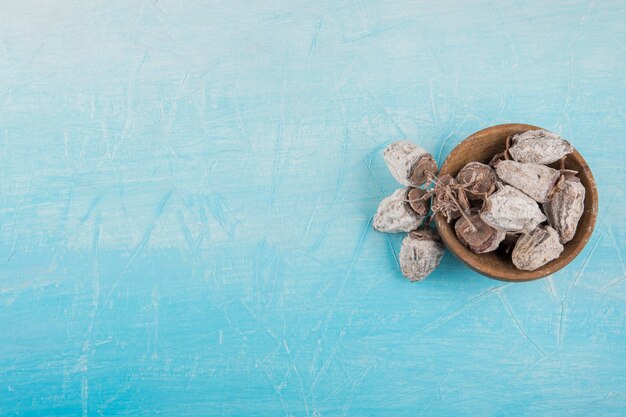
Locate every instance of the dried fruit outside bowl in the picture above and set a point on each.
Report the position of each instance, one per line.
(481, 147)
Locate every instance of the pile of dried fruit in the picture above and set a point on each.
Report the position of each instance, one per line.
(504, 204)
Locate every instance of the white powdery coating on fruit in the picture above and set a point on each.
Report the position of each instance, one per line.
(536, 249)
(533, 179)
(539, 147)
(565, 209)
(400, 157)
(511, 210)
(419, 257)
(394, 216)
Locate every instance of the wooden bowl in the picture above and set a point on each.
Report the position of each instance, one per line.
(482, 146)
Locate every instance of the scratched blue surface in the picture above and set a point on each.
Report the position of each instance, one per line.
(186, 191)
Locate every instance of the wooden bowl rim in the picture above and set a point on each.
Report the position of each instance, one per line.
(512, 275)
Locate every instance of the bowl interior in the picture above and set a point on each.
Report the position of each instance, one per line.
(482, 146)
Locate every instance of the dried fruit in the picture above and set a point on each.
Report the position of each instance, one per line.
(495, 205)
(477, 235)
(395, 214)
(536, 249)
(511, 210)
(420, 254)
(445, 201)
(464, 202)
(408, 163)
(539, 147)
(566, 207)
(533, 179)
(477, 179)
(419, 200)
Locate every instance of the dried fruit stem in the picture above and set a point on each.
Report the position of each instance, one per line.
(449, 193)
(507, 154)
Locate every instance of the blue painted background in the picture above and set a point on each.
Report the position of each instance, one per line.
(186, 191)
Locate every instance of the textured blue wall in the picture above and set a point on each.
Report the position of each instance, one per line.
(186, 191)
